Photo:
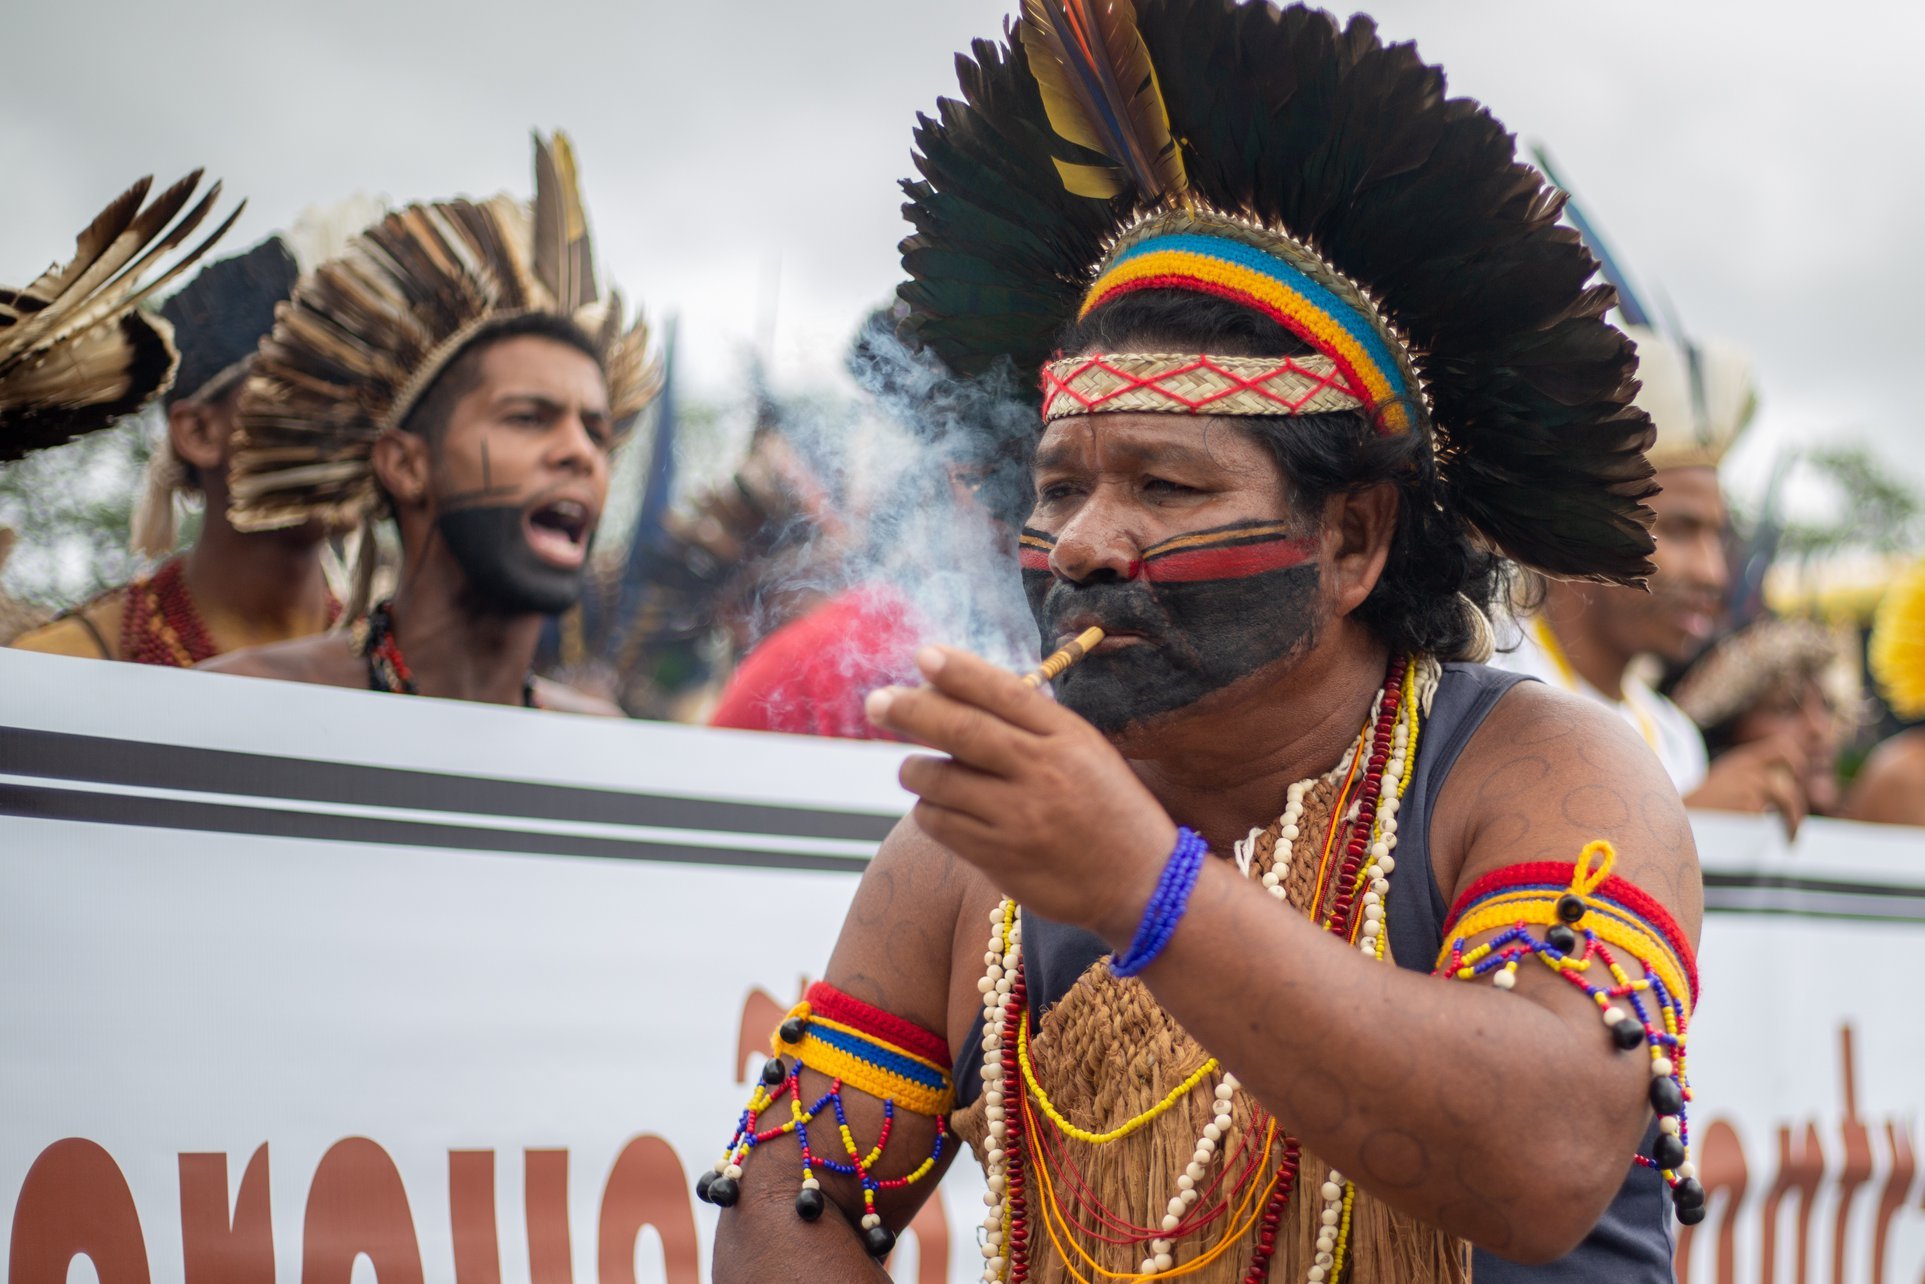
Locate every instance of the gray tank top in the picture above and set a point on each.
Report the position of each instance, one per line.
(1631, 1244)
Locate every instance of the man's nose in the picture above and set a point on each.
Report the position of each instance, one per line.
(575, 446)
(1094, 549)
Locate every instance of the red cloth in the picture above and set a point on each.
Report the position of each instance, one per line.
(810, 676)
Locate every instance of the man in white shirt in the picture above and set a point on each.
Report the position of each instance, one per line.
(1587, 637)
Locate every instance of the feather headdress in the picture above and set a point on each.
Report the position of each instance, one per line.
(366, 335)
(76, 350)
(1897, 647)
(1699, 393)
(1315, 174)
(219, 319)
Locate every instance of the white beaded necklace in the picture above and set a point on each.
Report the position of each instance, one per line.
(1003, 956)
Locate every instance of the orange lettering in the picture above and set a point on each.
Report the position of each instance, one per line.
(357, 1206)
(1857, 1167)
(545, 1205)
(1721, 1167)
(647, 1187)
(214, 1248)
(1898, 1186)
(1802, 1172)
(75, 1203)
(471, 1216)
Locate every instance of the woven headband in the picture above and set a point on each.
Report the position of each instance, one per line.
(1177, 383)
(1358, 364)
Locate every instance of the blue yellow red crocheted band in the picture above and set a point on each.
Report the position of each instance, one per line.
(867, 1049)
(1620, 913)
(1242, 273)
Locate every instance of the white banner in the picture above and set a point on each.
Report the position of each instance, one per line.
(326, 986)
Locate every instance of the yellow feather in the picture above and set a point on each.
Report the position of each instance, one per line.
(1100, 92)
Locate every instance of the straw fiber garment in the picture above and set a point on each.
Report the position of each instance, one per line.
(1107, 1052)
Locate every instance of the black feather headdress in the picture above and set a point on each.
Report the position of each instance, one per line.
(1097, 124)
(76, 350)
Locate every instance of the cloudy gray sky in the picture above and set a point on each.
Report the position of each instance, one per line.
(1758, 162)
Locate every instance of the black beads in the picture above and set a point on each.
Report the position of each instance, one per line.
(1561, 938)
(1569, 908)
(1627, 1034)
(1688, 1196)
(808, 1204)
(878, 1242)
(1668, 1151)
(774, 1072)
(723, 1192)
(703, 1183)
(1690, 1216)
(791, 1030)
(1666, 1097)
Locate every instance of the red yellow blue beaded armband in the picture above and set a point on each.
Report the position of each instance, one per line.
(856, 1046)
(1585, 911)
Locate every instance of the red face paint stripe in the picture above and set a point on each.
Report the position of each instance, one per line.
(1033, 559)
(1234, 562)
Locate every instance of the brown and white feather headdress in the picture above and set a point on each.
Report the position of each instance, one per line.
(76, 350)
(366, 335)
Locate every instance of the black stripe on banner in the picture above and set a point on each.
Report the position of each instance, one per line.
(100, 760)
(48, 803)
(1728, 893)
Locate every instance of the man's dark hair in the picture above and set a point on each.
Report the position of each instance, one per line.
(1434, 558)
(431, 412)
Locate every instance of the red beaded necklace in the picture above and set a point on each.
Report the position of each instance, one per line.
(159, 623)
(1017, 1121)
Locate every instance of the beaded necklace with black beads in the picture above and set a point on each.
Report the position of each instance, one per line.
(388, 668)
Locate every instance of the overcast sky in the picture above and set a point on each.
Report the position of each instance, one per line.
(1757, 162)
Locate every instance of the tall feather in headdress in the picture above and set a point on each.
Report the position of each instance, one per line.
(1100, 93)
(76, 350)
(1283, 120)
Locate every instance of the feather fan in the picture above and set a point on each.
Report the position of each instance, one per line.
(76, 351)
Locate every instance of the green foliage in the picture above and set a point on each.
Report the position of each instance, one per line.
(72, 508)
(1877, 510)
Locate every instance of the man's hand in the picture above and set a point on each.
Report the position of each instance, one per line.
(1030, 794)
(1765, 775)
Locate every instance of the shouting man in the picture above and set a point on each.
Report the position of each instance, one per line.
(457, 370)
(1276, 949)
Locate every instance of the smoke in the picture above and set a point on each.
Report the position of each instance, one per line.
(916, 492)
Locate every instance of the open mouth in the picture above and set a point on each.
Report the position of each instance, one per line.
(558, 532)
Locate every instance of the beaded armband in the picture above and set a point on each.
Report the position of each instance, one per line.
(856, 1046)
(1585, 912)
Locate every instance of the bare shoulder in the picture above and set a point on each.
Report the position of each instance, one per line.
(91, 632)
(910, 931)
(326, 659)
(1890, 788)
(565, 699)
(1548, 772)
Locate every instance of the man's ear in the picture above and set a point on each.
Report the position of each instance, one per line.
(401, 466)
(1358, 527)
(198, 433)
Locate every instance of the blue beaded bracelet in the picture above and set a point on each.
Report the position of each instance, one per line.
(1167, 904)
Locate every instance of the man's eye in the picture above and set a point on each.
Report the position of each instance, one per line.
(1164, 486)
(1050, 491)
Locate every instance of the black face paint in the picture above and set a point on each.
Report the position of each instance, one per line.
(1211, 607)
(490, 545)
